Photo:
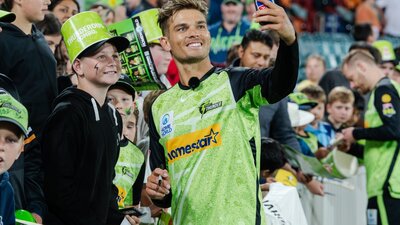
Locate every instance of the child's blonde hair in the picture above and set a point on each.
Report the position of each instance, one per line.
(315, 93)
(341, 94)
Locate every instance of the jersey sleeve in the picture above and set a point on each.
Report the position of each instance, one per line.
(274, 83)
(387, 104)
(157, 158)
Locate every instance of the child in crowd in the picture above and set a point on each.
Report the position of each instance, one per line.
(324, 131)
(130, 166)
(13, 130)
(81, 139)
(340, 108)
(300, 117)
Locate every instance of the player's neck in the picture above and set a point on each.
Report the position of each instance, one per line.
(187, 71)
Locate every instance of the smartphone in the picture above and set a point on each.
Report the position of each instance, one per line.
(260, 6)
(132, 211)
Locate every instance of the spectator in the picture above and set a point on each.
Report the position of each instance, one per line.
(130, 166)
(315, 69)
(51, 29)
(81, 138)
(363, 32)
(381, 135)
(368, 12)
(64, 9)
(29, 61)
(388, 56)
(340, 108)
(106, 13)
(324, 132)
(13, 129)
(228, 31)
(210, 102)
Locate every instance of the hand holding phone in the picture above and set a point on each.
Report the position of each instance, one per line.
(260, 6)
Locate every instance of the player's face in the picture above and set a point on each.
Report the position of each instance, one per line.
(187, 37)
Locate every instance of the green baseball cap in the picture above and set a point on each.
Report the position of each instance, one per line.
(13, 111)
(232, 1)
(386, 50)
(149, 21)
(7, 17)
(302, 101)
(86, 31)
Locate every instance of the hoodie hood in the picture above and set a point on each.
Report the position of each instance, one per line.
(75, 95)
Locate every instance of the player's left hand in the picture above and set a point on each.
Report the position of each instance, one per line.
(278, 21)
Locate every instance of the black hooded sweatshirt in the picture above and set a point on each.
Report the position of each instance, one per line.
(29, 62)
(80, 148)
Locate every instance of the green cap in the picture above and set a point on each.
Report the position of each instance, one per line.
(7, 17)
(231, 1)
(86, 29)
(302, 100)
(24, 215)
(386, 50)
(12, 111)
(152, 30)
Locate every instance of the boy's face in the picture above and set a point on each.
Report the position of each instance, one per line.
(318, 111)
(100, 70)
(187, 36)
(11, 145)
(340, 112)
(33, 10)
(129, 129)
(121, 100)
(161, 58)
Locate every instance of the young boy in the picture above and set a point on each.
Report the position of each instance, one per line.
(340, 108)
(13, 130)
(130, 166)
(81, 139)
(324, 131)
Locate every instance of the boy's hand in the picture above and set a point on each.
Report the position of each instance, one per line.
(133, 220)
(315, 187)
(278, 21)
(158, 184)
(38, 218)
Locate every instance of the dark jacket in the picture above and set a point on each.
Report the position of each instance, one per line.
(29, 62)
(80, 148)
(7, 216)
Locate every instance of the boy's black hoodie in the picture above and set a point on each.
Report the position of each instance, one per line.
(29, 62)
(80, 149)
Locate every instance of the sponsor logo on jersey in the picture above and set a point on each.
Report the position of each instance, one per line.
(188, 144)
(166, 124)
(386, 98)
(388, 109)
(208, 106)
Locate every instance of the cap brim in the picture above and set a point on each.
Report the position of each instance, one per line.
(24, 131)
(304, 118)
(120, 44)
(7, 18)
(125, 86)
(307, 106)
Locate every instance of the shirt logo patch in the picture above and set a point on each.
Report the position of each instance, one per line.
(388, 109)
(166, 124)
(386, 98)
(185, 145)
(208, 106)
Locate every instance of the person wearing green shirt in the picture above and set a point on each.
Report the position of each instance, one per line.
(204, 131)
(381, 133)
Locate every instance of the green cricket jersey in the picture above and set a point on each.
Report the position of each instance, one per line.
(129, 170)
(208, 139)
(382, 135)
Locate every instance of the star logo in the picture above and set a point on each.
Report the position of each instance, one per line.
(214, 134)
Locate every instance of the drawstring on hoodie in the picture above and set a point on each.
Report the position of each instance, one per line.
(96, 110)
(115, 115)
